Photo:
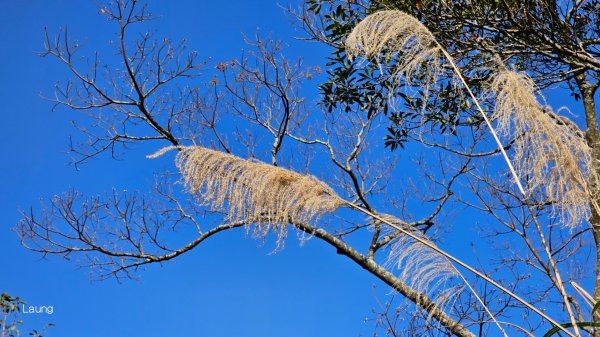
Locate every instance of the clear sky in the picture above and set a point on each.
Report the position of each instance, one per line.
(227, 287)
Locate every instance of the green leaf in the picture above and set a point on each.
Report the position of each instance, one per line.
(557, 329)
(595, 308)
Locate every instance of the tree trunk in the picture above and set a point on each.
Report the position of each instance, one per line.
(593, 139)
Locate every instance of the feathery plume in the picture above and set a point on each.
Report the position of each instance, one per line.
(392, 32)
(250, 190)
(549, 153)
(422, 268)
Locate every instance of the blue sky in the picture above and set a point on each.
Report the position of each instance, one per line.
(230, 286)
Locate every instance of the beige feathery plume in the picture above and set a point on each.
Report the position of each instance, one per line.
(391, 32)
(420, 267)
(250, 190)
(549, 154)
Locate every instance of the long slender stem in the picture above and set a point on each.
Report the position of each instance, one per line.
(558, 282)
(460, 263)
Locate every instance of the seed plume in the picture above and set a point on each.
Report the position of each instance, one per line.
(550, 154)
(392, 32)
(420, 267)
(250, 190)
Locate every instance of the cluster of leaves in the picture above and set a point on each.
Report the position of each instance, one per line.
(10, 308)
(348, 86)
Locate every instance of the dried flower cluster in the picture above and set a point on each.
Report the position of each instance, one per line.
(393, 32)
(253, 191)
(549, 154)
(422, 268)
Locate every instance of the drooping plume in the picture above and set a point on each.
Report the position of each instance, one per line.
(422, 268)
(550, 153)
(393, 32)
(252, 191)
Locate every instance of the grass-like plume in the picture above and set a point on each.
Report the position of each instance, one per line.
(549, 152)
(252, 191)
(422, 268)
(392, 32)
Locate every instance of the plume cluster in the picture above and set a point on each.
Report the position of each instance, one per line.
(392, 36)
(393, 32)
(252, 191)
(550, 154)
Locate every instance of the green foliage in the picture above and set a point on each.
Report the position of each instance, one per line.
(10, 309)
(348, 86)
